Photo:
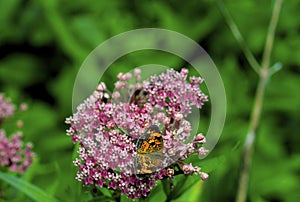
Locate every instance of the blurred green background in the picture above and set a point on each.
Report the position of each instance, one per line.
(43, 43)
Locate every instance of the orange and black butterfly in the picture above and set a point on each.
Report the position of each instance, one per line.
(149, 152)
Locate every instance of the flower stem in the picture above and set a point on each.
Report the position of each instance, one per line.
(250, 139)
(257, 107)
(239, 38)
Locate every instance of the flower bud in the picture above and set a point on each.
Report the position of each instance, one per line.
(184, 72)
(200, 138)
(101, 87)
(116, 95)
(170, 172)
(23, 107)
(188, 168)
(204, 176)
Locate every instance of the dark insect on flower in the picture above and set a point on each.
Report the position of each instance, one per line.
(138, 96)
(149, 156)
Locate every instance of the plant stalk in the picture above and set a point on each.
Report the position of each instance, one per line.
(257, 107)
(239, 38)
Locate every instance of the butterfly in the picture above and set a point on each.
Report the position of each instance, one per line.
(149, 152)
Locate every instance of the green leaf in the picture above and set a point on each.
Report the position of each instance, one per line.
(7, 9)
(275, 68)
(125, 199)
(105, 192)
(156, 194)
(30, 190)
(192, 194)
(184, 184)
(166, 186)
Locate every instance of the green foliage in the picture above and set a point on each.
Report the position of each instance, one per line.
(32, 191)
(43, 43)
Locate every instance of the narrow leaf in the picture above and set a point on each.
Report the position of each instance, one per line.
(30, 190)
(275, 68)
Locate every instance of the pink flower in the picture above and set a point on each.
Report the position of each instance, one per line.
(204, 176)
(188, 168)
(137, 73)
(202, 151)
(12, 153)
(200, 138)
(23, 107)
(101, 87)
(6, 108)
(170, 90)
(178, 117)
(109, 133)
(170, 172)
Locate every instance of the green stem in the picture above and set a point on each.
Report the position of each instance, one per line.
(271, 34)
(257, 107)
(238, 36)
(250, 139)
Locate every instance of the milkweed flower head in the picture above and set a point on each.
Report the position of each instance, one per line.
(14, 154)
(138, 134)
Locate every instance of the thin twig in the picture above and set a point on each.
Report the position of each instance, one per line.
(249, 143)
(238, 36)
(257, 107)
(271, 34)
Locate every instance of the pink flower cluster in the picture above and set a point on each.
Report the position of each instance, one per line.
(171, 90)
(6, 108)
(13, 155)
(107, 126)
